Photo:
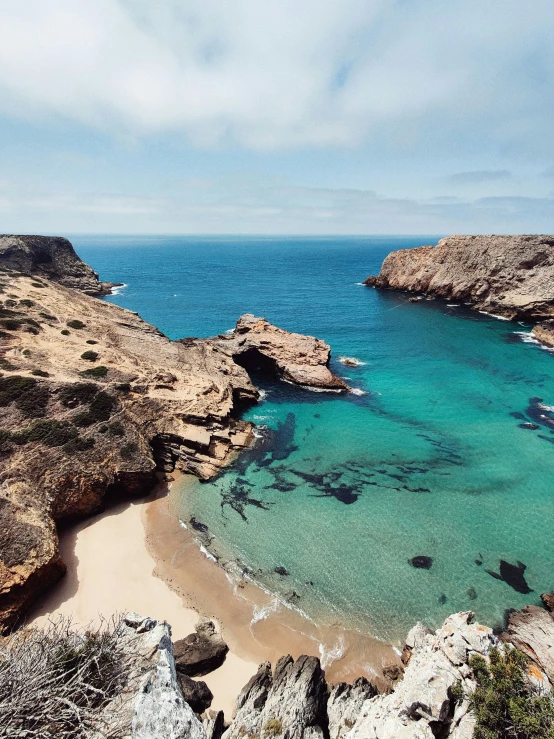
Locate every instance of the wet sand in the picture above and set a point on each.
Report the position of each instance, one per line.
(110, 571)
(255, 624)
(137, 556)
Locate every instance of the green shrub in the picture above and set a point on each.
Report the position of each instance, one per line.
(65, 332)
(27, 303)
(504, 702)
(48, 317)
(102, 406)
(75, 323)
(37, 284)
(128, 451)
(83, 419)
(90, 355)
(273, 728)
(11, 324)
(91, 341)
(11, 303)
(4, 335)
(116, 429)
(77, 393)
(78, 445)
(12, 388)
(123, 387)
(32, 403)
(5, 441)
(6, 365)
(26, 352)
(99, 371)
(49, 432)
(40, 373)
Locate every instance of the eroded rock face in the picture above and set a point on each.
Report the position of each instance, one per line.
(202, 652)
(544, 332)
(532, 631)
(291, 704)
(195, 692)
(301, 360)
(512, 276)
(52, 257)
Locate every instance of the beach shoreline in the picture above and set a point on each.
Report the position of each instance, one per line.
(138, 556)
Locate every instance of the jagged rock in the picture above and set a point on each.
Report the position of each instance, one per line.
(512, 276)
(302, 360)
(421, 705)
(214, 725)
(548, 600)
(153, 706)
(544, 332)
(345, 704)
(532, 631)
(414, 640)
(52, 257)
(292, 704)
(202, 652)
(195, 692)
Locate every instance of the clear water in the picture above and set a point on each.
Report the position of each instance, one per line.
(344, 491)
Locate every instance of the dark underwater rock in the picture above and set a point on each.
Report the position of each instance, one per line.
(512, 575)
(471, 593)
(528, 425)
(421, 562)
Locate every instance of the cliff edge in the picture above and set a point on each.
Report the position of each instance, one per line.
(511, 276)
(52, 257)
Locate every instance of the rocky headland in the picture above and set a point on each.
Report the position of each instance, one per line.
(509, 276)
(99, 404)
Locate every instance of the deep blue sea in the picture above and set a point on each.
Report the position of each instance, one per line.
(433, 462)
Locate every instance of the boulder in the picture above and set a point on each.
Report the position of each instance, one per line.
(195, 692)
(532, 631)
(201, 652)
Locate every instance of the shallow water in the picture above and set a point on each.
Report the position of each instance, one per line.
(342, 492)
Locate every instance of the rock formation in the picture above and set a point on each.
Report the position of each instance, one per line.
(52, 257)
(97, 403)
(544, 332)
(532, 631)
(511, 276)
(201, 652)
(301, 360)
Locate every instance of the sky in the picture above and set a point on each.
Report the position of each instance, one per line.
(277, 116)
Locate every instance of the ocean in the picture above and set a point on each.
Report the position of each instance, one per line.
(423, 493)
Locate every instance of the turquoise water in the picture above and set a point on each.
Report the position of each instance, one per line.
(342, 492)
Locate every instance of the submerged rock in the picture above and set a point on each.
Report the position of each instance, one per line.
(512, 575)
(201, 652)
(421, 562)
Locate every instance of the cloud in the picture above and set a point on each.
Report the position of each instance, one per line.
(483, 176)
(274, 74)
(254, 208)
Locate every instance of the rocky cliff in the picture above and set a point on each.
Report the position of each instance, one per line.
(154, 698)
(52, 257)
(97, 403)
(511, 276)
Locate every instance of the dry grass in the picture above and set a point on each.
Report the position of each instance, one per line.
(60, 682)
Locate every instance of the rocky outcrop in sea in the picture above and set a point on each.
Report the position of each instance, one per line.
(510, 276)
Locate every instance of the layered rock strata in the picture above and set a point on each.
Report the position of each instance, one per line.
(96, 402)
(511, 276)
(52, 257)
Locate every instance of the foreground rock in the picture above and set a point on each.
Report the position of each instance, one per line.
(511, 276)
(291, 703)
(532, 631)
(544, 332)
(51, 257)
(97, 404)
(201, 652)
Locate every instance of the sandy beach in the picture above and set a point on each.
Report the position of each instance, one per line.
(137, 556)
(109, 571)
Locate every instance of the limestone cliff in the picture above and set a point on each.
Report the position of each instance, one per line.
(96, 402)
(52, 257)
(512, 276)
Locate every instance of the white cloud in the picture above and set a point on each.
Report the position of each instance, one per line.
(280, 73)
